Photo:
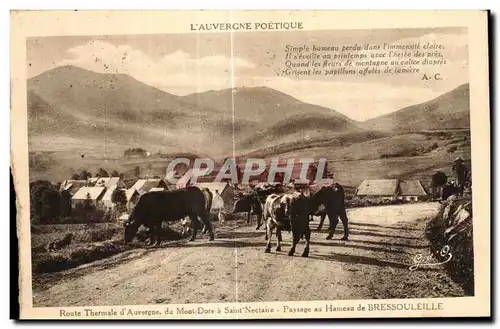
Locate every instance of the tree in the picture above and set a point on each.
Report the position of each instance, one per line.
(84, 175)
(119, 198)
(102, 173)
(87, 204)
(65, 204)
(137, 171)
(115, 173)
(439, 179)
(44, 202)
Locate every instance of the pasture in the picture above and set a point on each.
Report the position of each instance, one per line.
(352, 158)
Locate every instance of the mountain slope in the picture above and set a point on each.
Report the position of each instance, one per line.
(450, 110)
(115, 111)
(277, 117)
(261, 104)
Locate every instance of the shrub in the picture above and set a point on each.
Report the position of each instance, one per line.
(451, 149)
(461, 265)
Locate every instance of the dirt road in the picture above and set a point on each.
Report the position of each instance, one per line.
(234, 268)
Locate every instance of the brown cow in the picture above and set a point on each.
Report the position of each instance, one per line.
(288, 212)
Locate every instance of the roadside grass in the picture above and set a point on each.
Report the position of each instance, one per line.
(461, 265)
(91, 242)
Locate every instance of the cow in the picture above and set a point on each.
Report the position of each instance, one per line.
(209, 197)
(268, 189)
(186, 222)
(461, 173)
(251, 204)
(332, 198)
(448, 190)
(60, 243)
(288, 212)
(155, 207)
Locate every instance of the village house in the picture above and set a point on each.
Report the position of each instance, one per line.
(132, 198)
(225, 190)
(107, 182)
(392, 189)
(94, 194)
(108, 197)
(72, 186)
(386, 189)
(185, 180)
(411, 190)
(145, 185)
(92, 180)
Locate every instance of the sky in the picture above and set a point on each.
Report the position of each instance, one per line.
(182, 64)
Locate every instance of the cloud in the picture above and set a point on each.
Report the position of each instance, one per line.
(177, 72)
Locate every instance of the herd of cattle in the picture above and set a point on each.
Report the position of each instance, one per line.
(273, 206)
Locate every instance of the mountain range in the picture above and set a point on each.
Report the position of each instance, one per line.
(70, 109)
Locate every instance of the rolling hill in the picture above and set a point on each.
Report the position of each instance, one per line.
(111, 112)
(448, 111)
(72, 111)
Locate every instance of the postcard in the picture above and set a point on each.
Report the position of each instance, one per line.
(251, 164)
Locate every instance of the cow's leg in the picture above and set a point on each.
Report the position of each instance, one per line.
(269, 233)
(194, 226)
(295, 239)
(343, 218)
(204, 227)
(150, 236)
(248, 216)
(320, 225)
(334, 220)
(208, 226)
(157, 233)
(307, 235)
(259, 221)
(278, 236)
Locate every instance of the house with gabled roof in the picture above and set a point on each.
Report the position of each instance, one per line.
(107, 182)
(107, 199)
(145, 185)
(225, 190)
(72, 186)
(132, 198)
(411, 190)
(387, 189)
(91, 193)
(392, 189)
(185, 180)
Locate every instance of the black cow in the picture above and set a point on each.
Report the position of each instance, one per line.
(288, 212)
(186, 222)
(268, 189)
(155, 207)
(250, 204)
(332, 198)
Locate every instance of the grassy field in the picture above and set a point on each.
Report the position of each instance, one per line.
(405, 156)
(90, 242)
